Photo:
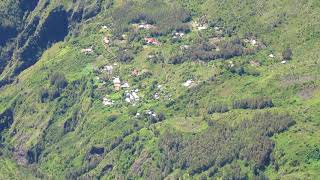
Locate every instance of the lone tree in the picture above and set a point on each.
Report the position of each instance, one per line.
(287, 54)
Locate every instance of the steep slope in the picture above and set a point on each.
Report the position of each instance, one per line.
(210, 89)
(32, 27)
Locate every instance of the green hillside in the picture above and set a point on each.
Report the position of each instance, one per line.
(151, 89)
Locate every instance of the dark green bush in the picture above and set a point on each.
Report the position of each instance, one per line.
(125, 56)
(166, 17)
(112, 118)
(58, 80)
(156, 58)
(217, 108)
(43, 95)
(253, 103)
(205, 51)
(222, 145)
(161, 116)
(287, 54)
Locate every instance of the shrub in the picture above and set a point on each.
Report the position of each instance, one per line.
(43, 95)
(71, 124)
(239, 70)
(50, 94)
(253, 103)
(287, 54)
(112, 117)
(54, 93)
(125, 56)
(217, 108)
(314, 154)
(161, 116)
(156, 58)
(58, 80)
(205, 51)
(222, 144)
(132, 110)
(6, 120)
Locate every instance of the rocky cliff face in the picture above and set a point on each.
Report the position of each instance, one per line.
(38, 25)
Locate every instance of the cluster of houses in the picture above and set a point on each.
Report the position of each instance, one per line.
(151, 113)
(200, 25)
(107, 102)
(132, 96)
(118, 85)
(161, 93)
(256, 63)
(272, 56)
(108, 69)
(148, 113)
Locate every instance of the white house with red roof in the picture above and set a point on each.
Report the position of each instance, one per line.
(152, 41)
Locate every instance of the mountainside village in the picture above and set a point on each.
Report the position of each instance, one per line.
(108, 75)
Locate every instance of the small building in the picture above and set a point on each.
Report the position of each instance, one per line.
(150, 113)
(178, 35)
(271, 56)
(87, 51)
(188, 83)
(200, 25)
(131, 97)
(283, 62)
(156, 96)
(135, 96)
(108, 69)
(231, 64)
(117, 87)
(106, 40)
(146, 26)
(254, 63)
(117, 83)
(216, 28)
(135, 72)
(184, 47)
(253, 42)
(107, 102)
(125, 85)
(152, 41)
(216, 39)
